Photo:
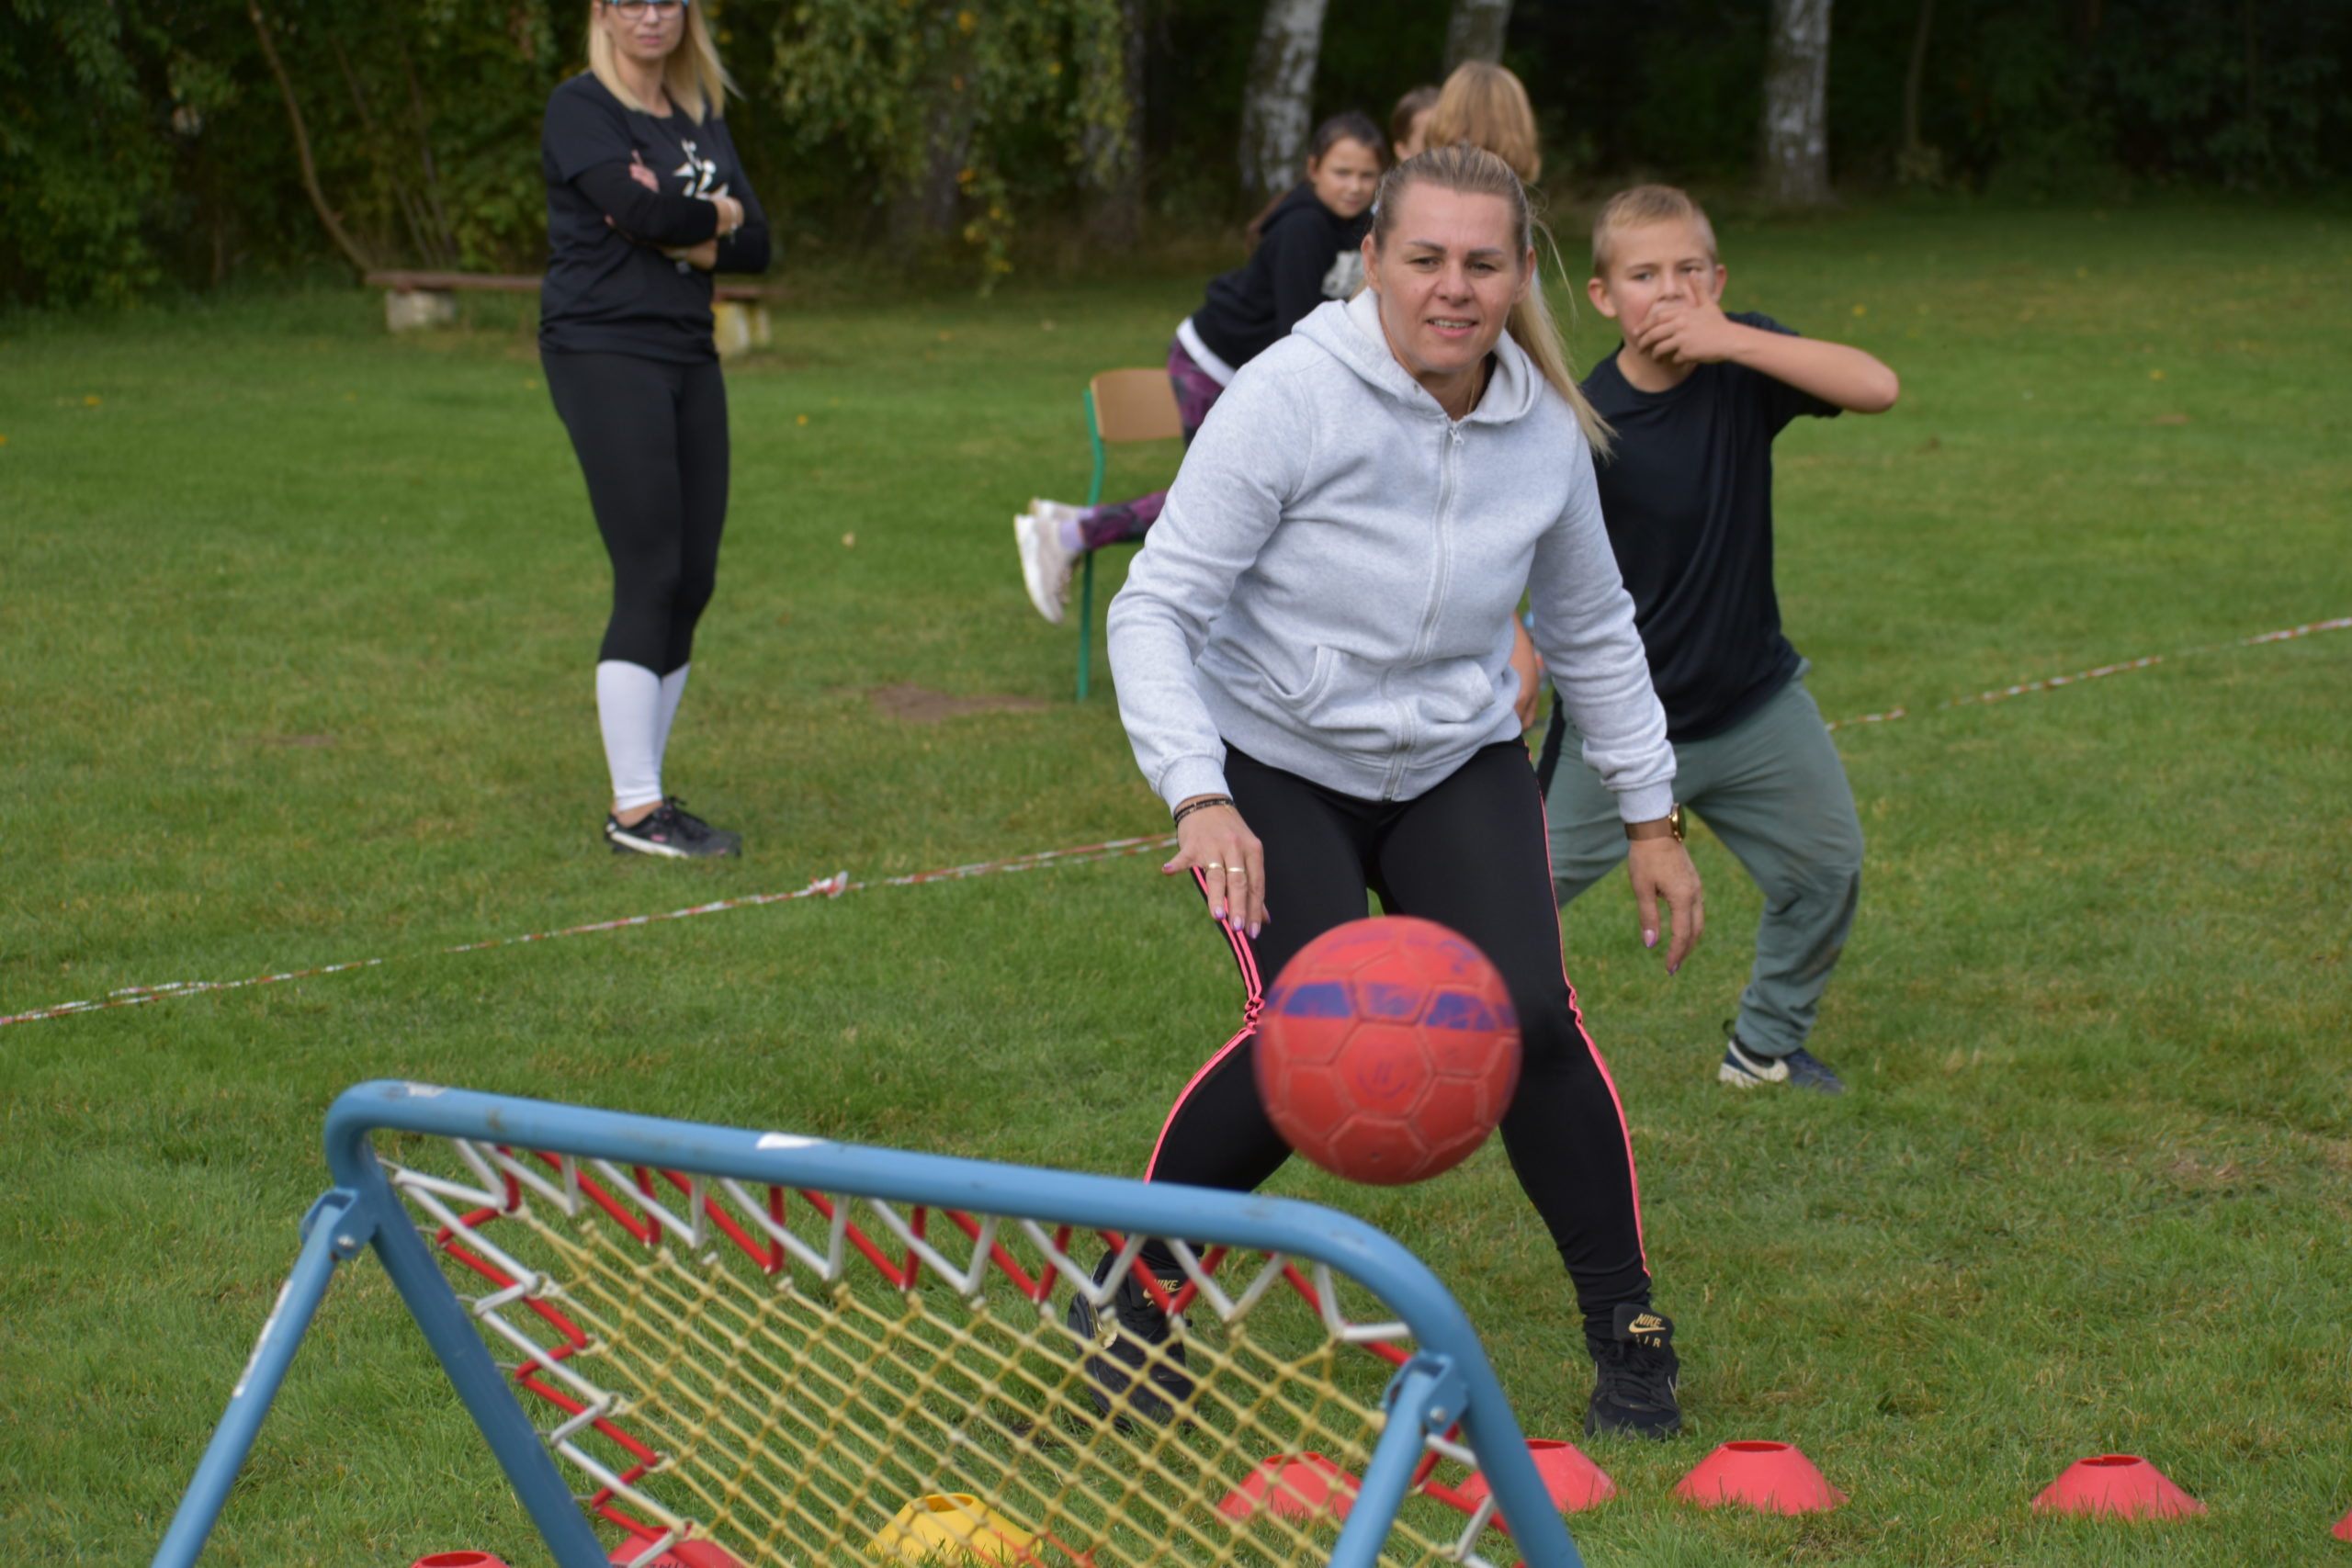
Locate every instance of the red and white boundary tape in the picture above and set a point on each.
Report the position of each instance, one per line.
(831, 887)
(834, 887)
(2003, 693)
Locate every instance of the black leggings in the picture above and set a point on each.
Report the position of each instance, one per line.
(1470, 855)
(651, 437)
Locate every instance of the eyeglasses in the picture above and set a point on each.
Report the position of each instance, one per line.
(634, 10)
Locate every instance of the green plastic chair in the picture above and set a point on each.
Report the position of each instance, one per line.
(1121, 406)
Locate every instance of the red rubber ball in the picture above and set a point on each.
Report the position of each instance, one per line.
(1387, 1050)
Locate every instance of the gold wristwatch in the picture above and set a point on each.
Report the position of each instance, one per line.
(1673, 820)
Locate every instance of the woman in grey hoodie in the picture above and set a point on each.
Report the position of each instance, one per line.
(1313, 664)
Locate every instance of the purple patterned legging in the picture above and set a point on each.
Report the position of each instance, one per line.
(1123, 522)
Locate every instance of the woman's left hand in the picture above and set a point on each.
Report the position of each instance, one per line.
(1215, 842)
(1660, 868)
(705, 255)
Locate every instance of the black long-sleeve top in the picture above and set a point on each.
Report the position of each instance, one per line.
(1306, 253)
(609, 289)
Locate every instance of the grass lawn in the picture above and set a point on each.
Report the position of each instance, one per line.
(296, 630)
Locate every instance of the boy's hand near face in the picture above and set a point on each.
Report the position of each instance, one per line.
(1691, 330)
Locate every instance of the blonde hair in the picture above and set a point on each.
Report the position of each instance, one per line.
(1638, 209)
(1474, 171)
(1487, 107)
(693, 76)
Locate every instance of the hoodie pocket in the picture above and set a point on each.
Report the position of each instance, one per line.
(1454, 692)
(1302, 700)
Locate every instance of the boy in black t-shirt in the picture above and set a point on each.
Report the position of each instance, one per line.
(1696, 398)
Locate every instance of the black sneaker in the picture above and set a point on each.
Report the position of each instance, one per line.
(1745, 1067)
(670, 829)
(1142, 1337)
(1635, 1371)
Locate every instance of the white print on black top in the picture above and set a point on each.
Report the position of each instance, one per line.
(699, 173)
(1346, 275)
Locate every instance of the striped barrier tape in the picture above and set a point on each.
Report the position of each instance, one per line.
(2053, 682)
(831, 887)
(834, 887)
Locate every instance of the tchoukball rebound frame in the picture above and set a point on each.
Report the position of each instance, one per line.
(1445, 1385)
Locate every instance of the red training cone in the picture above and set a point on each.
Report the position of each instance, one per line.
(678, 1554)
(1773, 1478)
(2123, 1485)
(459, 1560)
(1573, 1481)
(1296, 1486)
(2342, 1531)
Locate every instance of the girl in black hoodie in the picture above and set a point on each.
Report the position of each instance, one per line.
(1307, 246)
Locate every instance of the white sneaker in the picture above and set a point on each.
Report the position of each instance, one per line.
(1057, 512)
(1045, 564)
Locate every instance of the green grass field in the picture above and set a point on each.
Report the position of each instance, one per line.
(298, 623)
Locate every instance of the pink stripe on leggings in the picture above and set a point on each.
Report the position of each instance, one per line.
(1633, 1171)
(1253, 1001)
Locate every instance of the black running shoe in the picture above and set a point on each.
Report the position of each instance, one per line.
(1143, 1336)
(1635, 1371)
(1745, 1067)
(670, 829)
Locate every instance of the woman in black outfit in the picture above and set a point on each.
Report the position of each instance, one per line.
(646, 199)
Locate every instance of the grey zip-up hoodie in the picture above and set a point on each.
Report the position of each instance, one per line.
(1330, 585)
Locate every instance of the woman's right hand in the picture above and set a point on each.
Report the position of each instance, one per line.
(1218, 843)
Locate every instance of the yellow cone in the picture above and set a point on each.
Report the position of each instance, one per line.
(954, 1526)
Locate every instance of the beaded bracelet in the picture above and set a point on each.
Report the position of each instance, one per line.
(1200, 804)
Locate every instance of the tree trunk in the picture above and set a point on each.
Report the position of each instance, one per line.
(927, 207)
(1114, 172)
(1276, 102)
(1796, 105)
(1474, 31)
(352, 251)
(1916, 163)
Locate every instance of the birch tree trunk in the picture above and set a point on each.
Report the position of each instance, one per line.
(1796, 105)
(1474, 31)
(1115, 173)
(1275, 104)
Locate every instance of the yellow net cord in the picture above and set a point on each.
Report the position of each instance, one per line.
(807, 1379)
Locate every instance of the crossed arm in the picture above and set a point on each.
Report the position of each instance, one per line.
(687, 228)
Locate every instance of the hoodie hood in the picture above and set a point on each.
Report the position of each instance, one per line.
(1351, 334)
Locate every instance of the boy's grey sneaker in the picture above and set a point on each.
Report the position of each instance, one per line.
(1635, 1373)
(1743, 1069)
(1138, 1334)
(671, 831)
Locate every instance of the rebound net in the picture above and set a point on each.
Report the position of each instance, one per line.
(807, 1374)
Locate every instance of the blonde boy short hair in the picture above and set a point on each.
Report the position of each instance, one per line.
(1639, 208)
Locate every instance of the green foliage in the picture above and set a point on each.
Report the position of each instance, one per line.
(145, 144)
(930, 100)
(78, 166)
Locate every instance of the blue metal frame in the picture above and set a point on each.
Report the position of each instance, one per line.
(1448, 1380)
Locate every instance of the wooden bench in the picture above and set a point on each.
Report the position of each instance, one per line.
(414, 299)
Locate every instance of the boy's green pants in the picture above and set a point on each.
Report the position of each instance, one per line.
(1773, 789)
